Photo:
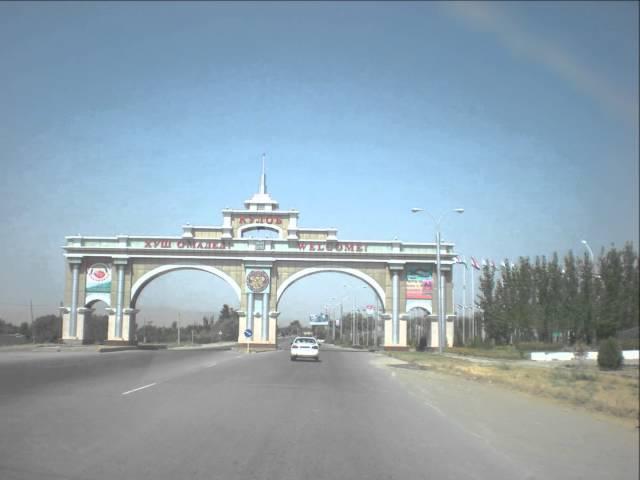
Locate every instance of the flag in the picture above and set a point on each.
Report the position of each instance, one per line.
(475, 264)
(493, 265)
(460, 259)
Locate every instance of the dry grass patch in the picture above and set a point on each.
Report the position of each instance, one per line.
(580, 385)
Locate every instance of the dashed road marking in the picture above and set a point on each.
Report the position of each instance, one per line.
(139, 388)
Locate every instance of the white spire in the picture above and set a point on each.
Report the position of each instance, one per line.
(263, 179)
(262, 200)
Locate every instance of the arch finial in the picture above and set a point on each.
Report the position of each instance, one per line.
(263, 178)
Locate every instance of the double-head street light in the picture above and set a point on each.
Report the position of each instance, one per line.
(442, 336)
(354, 324)
(593, 260)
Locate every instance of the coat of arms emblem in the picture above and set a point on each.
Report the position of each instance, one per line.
(257, 280)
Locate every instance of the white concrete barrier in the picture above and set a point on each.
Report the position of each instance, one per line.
(566, 356)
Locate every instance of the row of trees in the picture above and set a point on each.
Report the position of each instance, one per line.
(552, 301)
(46, 328)
(225, 328)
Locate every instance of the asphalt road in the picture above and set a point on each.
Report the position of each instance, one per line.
(230, 415)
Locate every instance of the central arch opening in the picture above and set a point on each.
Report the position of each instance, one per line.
(332, 306)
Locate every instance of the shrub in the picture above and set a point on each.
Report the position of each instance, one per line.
(609, 355)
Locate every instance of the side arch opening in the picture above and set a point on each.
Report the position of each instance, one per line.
(139, 285)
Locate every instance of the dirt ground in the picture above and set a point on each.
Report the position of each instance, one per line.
(546, 433)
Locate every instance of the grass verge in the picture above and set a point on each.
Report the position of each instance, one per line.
(582, 385)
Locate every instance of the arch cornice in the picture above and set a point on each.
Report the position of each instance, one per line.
(349, 271)
(156, 272)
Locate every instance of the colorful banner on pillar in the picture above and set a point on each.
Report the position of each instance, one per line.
(258, 280)
(98, 278)
(419, 284)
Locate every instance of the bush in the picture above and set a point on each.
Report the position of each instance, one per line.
(609, 355)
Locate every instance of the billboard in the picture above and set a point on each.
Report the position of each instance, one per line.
(419, 284)
(319, 319)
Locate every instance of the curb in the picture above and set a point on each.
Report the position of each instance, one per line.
(117, 349)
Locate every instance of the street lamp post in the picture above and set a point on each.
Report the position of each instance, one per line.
(593, 260)
(441, 323)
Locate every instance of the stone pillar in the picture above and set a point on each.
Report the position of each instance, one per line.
(435, 330)
(119, 300)
(450, 325)
(121, 318)
(273, 327)
(250, 310)
(73, 323)
(72, 326)
(395, 307)
(265, 317)
(242, 325)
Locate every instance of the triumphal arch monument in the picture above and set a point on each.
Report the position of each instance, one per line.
(115, 270)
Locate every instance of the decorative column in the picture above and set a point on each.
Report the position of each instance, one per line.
(73, 319)
(396, 339)
(265, 317)
(119, 298)
(120, 327)
(72, 328)
(395, 320)
(250, 310)
(258, 281)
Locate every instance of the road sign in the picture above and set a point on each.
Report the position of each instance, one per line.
(248, 333)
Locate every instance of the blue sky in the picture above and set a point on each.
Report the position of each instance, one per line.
(135, 118)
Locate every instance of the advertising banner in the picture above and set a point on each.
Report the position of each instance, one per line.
(419, 284)
(98, 278)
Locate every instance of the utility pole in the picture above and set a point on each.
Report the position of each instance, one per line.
(33, 336)
(178, 328)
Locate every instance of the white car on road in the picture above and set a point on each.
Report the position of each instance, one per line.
(305, 347)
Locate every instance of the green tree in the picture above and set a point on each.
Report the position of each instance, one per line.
(7, 328)
(630, 293)
(541, 280)
(47, 328)
(570, 305)
(486, 300)
(25, 329)
(587, 300)
(525, 300)
(554, 299)
(611, 301)
(228, 323)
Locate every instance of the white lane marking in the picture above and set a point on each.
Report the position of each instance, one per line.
(139, 388)
(212, 365)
